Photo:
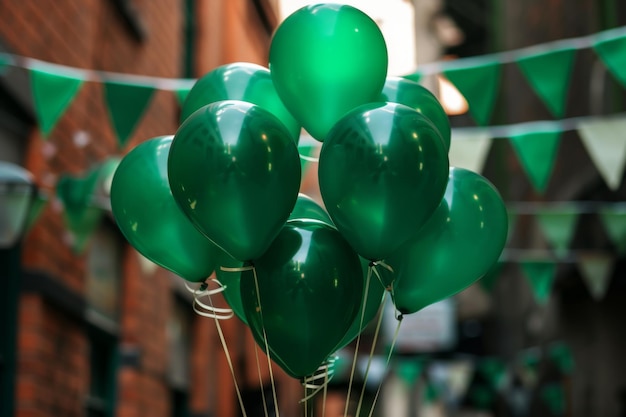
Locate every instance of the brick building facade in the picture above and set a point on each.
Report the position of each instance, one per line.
(132, 346)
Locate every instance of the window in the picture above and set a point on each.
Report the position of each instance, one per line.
(179, 338)
(103, 295)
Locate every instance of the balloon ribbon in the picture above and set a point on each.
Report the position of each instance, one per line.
(267, 349)
(217, 314)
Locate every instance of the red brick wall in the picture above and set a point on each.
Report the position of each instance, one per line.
(53, 362)
(53, 349)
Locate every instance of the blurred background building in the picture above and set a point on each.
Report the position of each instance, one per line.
(90, 328)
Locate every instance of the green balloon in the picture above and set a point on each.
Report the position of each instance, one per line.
(458, 245)
(307, 208)
(325, 60)
(410, 93)
(235, 172)
(150, 219)
(382, 172)
(372, 297)
(239, 81)
(310, 286)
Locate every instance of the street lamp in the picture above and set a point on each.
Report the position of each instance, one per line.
(17, 194)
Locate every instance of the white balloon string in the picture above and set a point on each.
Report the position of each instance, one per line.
(228, 360)
(326, 372)
(237, 268)
(258, 368)
(393, 343)
(325, 393)
(357, 344)
(267, 348)
(370, 358)
(309, 158)
(373, 266)
(384, 265)
(206, 310)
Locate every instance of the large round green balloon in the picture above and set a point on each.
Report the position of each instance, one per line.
(235, 172)
(383, 170)
(305, 209)
(239, 81)
(150, 219)
(310, 287)
(326, 59)
(458, 245)
(410, 93)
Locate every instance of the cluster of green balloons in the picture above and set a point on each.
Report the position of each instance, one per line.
(223, 192)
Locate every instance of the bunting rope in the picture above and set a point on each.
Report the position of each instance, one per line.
(503, 131)
(159, 83)
(580, 207)
(174, 84)
(507, 57)
(571, 257)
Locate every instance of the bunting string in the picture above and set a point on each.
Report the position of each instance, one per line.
(159, 83)
(512, 255)
(507, 57)
(504, 131)
(174, 84)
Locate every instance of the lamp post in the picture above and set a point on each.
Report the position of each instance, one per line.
(17, 193)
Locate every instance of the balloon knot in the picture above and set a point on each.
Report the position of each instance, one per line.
(204, 286)
(399, 317)
(373, 264)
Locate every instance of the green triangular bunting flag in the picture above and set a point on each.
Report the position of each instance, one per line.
(431, 393)
(4, 61)
(612, 51)
(554, 397)
(52, 94)
(469, 149)
(529, 362)
(493, 370)
(82, 219)
(416, 77)
(181, 94)
(596, 270)
(562, 356)
(481, 396)
(549, 75)
(36, 208)
(540, 275)
(614, 221)
(126, 104)
(537, 153)
(308, 155)
(558, 227)
(479, 85)
(606, 145)
(409, 370)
